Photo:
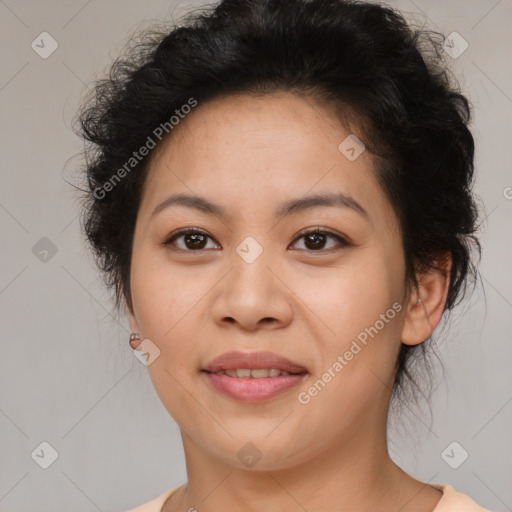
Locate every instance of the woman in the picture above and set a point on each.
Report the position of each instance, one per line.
(280, 195)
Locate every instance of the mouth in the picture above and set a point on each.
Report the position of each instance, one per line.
(253, 377)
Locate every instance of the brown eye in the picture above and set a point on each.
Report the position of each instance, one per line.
(316, 240)
(194, 240)
(191, 240)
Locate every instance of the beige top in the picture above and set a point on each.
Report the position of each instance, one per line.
(451, 501)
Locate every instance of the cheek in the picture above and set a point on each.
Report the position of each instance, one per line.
(162, 294)
(351, 297)
(164, 305)
(358, 310)
(169, 306)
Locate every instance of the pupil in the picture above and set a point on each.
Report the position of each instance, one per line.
(197, 240)
(317, 238)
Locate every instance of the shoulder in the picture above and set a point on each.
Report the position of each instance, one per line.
(154, 505)
(451, 501)
(454, 501)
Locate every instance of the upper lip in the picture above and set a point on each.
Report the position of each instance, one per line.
(253, 360)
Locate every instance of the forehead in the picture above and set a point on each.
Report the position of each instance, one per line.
(243, 149)
(283, 122)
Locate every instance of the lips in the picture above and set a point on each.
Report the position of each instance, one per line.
(253, 361)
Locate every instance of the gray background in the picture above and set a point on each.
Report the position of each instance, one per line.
(67, 375)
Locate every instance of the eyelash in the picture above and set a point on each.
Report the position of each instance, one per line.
(343, 242)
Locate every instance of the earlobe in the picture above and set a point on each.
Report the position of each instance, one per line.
(426, 303)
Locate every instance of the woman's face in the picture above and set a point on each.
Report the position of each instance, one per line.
(256, 281)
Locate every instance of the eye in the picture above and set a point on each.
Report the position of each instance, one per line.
(193, 239)
(315, 240)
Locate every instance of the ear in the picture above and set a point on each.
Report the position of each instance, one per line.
(426, 302)
(134, 327)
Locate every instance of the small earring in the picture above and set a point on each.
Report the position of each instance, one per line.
(419, 302)
(133, 337)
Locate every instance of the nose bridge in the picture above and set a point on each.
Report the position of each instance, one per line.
(251, 292)
(251, 275)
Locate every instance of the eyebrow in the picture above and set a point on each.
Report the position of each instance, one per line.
(289, 207)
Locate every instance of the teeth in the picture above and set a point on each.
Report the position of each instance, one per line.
(260, 373)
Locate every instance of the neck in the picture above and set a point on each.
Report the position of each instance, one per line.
(357, 475)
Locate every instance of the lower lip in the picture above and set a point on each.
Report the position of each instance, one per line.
(253, 390)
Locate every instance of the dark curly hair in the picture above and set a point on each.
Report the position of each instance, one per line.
(361, 59)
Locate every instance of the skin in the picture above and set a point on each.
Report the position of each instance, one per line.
(250, 155)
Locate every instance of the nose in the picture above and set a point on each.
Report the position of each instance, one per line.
(253, 296)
